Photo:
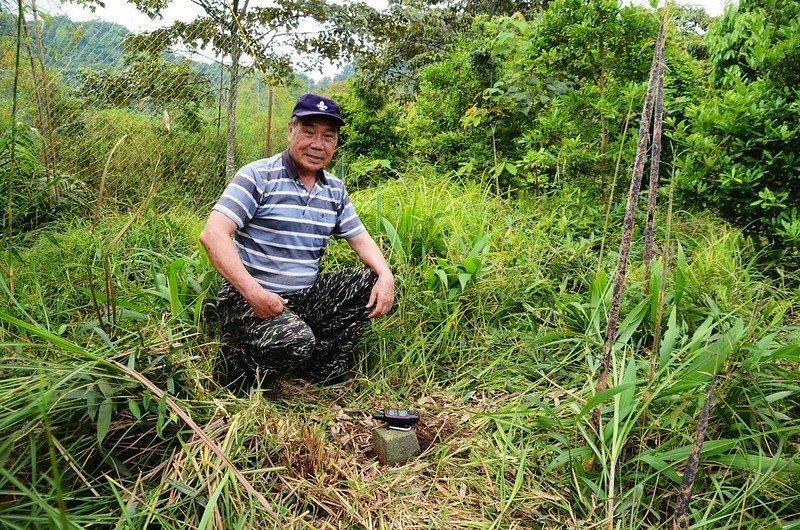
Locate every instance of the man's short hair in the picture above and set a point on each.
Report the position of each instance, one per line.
(298, 120)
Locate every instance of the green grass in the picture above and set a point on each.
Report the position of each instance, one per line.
(495, 339)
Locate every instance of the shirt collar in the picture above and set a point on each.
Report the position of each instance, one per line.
(291, 169)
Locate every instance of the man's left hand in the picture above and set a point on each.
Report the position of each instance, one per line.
(382, 296)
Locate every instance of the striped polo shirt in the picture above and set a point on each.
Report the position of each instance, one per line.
(282, 228)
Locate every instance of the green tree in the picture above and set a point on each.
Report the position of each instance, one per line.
(548, 99)
(372, 132)
(412, 34)
(448, 88)
(267, 35)
(743, 140)
(147, 81)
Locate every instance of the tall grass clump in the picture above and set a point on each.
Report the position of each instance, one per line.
(461, 268)
(497, 331)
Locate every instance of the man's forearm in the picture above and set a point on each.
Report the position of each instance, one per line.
(370, 254)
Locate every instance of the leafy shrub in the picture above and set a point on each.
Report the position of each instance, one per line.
(565, 90)
(540, 102)
(743, 141)
(371, 132)
(448, 88)
(32, 196)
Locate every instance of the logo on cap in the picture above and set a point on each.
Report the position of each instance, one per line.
(322, 106)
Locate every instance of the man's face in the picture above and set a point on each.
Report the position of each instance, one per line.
(312, 142)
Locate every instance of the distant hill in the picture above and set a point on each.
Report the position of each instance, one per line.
(94, 44)
(69, 45)
(97, 45)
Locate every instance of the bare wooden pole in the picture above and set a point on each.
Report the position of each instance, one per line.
(656, 70)
(680, 520)
(655, 163)
(48, 132)
(38, 97)
(268, 139)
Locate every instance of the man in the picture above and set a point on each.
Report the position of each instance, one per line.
(279, 316)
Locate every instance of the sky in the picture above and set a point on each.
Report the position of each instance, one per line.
(125, 14)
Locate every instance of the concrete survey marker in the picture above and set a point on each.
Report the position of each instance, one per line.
(393, 446)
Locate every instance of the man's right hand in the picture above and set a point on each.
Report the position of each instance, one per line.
(266, 304)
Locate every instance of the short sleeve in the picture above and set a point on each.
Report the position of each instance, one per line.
(348, 224)
(241, 197)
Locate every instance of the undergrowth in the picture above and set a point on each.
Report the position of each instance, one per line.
(495, 337)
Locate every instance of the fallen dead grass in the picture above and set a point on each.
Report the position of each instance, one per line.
(309, 451)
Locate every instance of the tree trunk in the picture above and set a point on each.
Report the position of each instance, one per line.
(268, 133)
(236, 53)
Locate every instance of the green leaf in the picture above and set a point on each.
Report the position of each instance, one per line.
(479, 246)
(175, 304)
(91, 402)
(602, 396)
(565, 456)
(763, 463)
(394, 240)
(471, 266)
(668, 342)
(183, 488)
(106, 389)
(104, 418)
(662, 467)
(598, 288)
(710, 448)
(777, 396)
(208, 512)
(680, 277)
(54, 339)
(133, 405)
(632, 321)
(789, 352)
(104, 336)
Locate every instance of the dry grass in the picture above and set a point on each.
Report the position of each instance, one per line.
(309, 451)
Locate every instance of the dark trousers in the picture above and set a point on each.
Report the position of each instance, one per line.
(312, 338)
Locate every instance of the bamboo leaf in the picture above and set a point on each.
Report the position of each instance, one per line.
(104, 418)
(631, 323)
(479, 246)
(669, 340)
(602, 396)
(173, 282)
(208, 512)
(394, 240)
(710, 448)
(565, 456)
(789, 352)
(38, 331)
(662, 467)
(755, 462)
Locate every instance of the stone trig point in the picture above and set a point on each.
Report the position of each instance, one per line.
(396, 442)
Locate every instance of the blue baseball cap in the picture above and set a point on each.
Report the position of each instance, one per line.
(315, 105)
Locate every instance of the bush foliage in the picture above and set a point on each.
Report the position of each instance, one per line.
(742, 142)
